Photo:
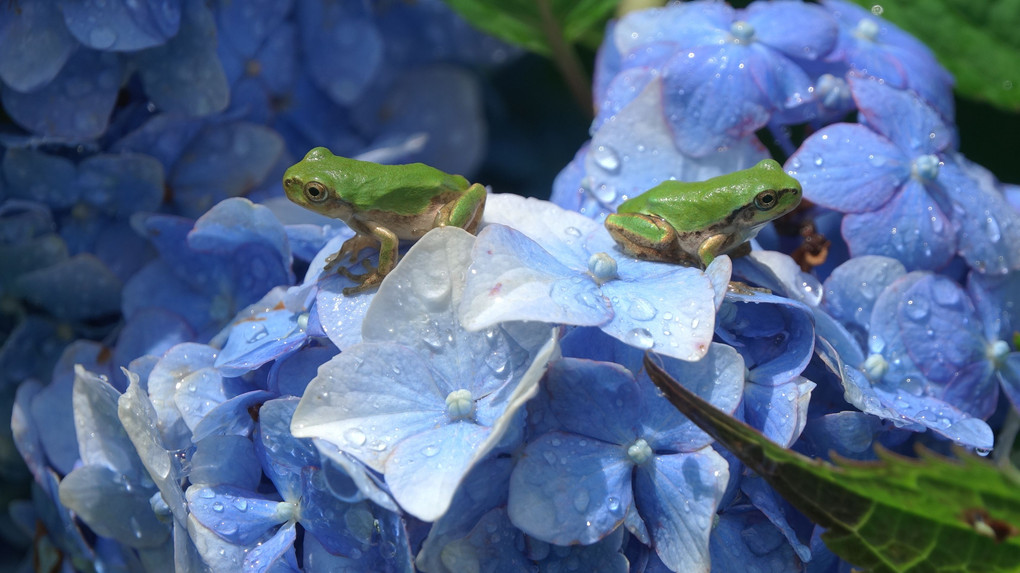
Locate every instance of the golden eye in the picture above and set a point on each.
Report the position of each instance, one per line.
(316, 192)
(765, 200)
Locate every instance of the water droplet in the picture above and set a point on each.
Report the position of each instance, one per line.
(945, 292)
(992, 228)
(581, 500)
(430, 450)
(613, 503)
(257, 334)
(641, 338)
(606, 158)
(572, 231)
(916, 308)
(217, 506)
(641, 309)
(819, 160)
(355, 437)
(240, 504)
(102, 37)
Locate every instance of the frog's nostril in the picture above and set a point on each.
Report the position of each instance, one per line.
(288, 182)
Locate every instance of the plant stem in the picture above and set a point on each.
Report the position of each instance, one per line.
(566, 59)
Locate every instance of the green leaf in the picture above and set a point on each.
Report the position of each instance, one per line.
(977, 41)
(932, 514)
(522, 22)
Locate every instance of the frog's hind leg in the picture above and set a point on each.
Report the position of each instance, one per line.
(646, 237)
(352, 247)
(465, 211)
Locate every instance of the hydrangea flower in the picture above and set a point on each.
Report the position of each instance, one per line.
(450, 395)
(626, 458)
(735, 67)
(898, 164)
(557, 266)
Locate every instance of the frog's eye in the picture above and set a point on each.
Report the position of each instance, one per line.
(316, 192)
(765, 200)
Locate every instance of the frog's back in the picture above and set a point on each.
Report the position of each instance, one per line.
(400, 189)
(688, 206)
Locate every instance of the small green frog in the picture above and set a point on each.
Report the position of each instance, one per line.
(384, 204)
(693, 223)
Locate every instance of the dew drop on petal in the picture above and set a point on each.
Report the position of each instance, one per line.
(355, 437)
(916, 308)
(641, 309)
(217, 506)
(945, 292)
(641, 338)
(581, 499)
(430, 450)
(606, 158)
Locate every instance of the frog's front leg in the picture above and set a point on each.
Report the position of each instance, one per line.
(388, 244)
(646, 236)
(465, 211)
(353, 247)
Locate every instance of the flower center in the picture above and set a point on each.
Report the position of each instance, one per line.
(875, 367)
(602, 267)
(742, 32)
(460, 405)
(925, 168)
(997, 352)
(866, 30)
(639, 452)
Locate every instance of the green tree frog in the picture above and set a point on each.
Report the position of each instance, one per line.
(383, 204)
(693, 223)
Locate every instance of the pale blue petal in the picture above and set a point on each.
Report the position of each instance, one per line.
(717, 378)
(207, 467)
(849, 168)
(902, 117)
(997, 299)
(275, 554)
(803, 31)
(677, 496)
(239, 516)
(232, 416)
(598, 400)
(779, 411)
(851, 289)
(896, 230)
(139, 419)
(121, 184)
(729, 108)
(184, 75)
(593, 344)
(667, 308)
(569, 489)
(483, 489)
(989, 228)
(224, 160)
(96, 291)
(291, 374)
(25, 433)
(185, 365)
(940, 417)
(102, 440)
(34, 45)
(260, 339)
(745, 542)
(940, 328)
(560, 232)
(342, 45)
(375, 385)
(197, 394)
(885, 337)
(780, 513)
(775, 335)
(37, 176)
(120, 25)
(113, 506)
(217, 553)
(77, 104)
(283, 456)
(425, 469)
(351, 480)
(514, 278)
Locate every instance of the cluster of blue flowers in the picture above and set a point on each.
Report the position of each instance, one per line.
(194, 391)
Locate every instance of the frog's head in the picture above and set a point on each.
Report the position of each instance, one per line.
(769, 193)
(312, 183)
